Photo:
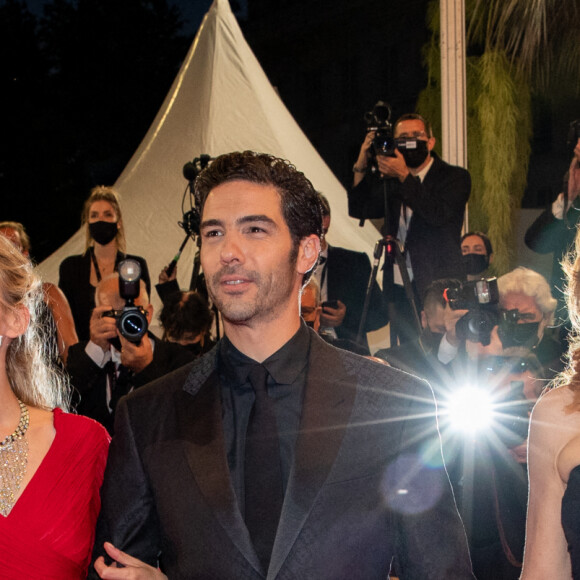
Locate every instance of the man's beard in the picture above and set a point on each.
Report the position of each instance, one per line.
(272, 291)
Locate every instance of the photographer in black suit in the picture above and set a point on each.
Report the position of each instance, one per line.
(424, 201)
(343, 277)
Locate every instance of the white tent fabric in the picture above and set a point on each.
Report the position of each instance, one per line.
(220, 101)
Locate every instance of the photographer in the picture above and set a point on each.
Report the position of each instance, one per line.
(109, 365)
(555, 229)
(488, 466)
(423, 199)
(526, 308)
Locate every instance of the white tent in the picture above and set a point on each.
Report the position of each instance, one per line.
(221, 101)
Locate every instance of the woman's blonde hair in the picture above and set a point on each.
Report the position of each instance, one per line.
(108, 194)
(34, 379)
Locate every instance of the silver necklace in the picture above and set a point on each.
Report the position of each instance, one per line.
(13, 461)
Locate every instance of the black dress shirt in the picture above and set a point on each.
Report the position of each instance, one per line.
(287, 369)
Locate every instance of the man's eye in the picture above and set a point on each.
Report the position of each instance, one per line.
(211, 233)
(256, 230)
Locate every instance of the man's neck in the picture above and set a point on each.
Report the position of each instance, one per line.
(260, 340)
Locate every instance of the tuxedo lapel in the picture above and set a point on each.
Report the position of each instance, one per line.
(200, 422)
(328, 400)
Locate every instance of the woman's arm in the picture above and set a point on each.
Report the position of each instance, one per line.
(546, 550)
(63, 318)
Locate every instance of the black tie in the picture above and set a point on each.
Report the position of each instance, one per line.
(262, 473)
(121, 383)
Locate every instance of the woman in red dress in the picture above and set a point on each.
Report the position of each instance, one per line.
(51, 462)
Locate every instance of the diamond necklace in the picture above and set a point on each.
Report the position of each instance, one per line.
(13, 461)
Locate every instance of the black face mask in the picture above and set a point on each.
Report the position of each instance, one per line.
(474, 264)
(103, 232)
(525, 335)
(414, 155)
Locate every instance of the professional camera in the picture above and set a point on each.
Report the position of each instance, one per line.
(132, 320)
(379, 121)
(481, 298)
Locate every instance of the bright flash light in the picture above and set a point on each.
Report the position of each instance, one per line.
(470, 409)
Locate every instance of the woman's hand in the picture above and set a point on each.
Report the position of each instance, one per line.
(134, 569)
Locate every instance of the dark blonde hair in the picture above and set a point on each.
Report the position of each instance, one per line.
(33, 378)
(570, 376)
(108, 194)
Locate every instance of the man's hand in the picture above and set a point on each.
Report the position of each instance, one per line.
(451, 317)
(363, 158)
(134, 569)
(136, 356)
(333, 316)
(102, 328)
(163, 277)
(393, 166)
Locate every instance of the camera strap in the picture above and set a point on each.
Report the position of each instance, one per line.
(120, 256)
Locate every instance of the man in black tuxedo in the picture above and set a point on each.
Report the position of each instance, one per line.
(343, 278)
(275, 455)
(108, 366)
(423, 199)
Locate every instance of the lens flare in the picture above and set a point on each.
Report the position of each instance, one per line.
(470, 409)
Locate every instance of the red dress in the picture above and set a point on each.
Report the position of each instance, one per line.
(50, 531)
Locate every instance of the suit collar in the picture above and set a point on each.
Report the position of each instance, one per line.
(328, 400)
(200, 421)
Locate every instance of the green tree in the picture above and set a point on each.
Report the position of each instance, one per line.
(515, 50)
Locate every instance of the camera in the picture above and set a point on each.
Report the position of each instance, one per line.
(481, 298)
(379, 121)
(131, 320)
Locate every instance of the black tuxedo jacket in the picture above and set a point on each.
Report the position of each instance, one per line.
(347, 277)
(438, 205)
(90, 381)
(359, 493)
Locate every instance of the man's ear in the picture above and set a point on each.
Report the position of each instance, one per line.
(308, 253)
(431, 143)
(491, 258)
(15, 321)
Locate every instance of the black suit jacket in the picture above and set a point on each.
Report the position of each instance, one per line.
(551, 235)
(347, 277)
(74, 281)
(90, 380)
(358, 494)
(438, 205)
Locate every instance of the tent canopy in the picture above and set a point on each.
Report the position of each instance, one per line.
(220, 101)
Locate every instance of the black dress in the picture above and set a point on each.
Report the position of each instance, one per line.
(571, 519)
(74, 281)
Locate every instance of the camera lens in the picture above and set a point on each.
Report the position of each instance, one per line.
(132, 325)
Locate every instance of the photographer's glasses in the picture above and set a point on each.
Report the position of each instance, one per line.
(413, 135)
